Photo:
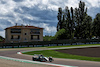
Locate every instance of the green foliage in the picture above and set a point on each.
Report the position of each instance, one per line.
(80, 14)
(1, 38)
(87, 27)
(96, 25)
(61, 34)
(71, 20)
(70, 25)
(48, 38)
(77, 23)
(59, 25)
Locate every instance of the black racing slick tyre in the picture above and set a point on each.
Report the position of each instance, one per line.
(34, 59)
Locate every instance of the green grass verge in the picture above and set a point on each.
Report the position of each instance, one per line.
(57, 54)
(72, 45)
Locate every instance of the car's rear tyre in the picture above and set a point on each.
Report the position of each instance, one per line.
(34, 59)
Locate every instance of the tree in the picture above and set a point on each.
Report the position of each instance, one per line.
(76, 22)
(80, 14)
(87, 27)
(1, 38)
(66, 21)
(69, 13)
(96, 25)
(61, 34)
(48, 38)
(59, 25)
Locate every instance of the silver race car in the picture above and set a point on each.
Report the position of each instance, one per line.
(42, 58)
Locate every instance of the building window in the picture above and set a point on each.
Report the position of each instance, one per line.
(15, 37)
(12, 37)
(25, 39)
(35, 31)
(25, 33)
(18, 37)
(15, 30)
(34, 37)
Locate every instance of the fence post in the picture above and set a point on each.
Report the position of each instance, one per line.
(5, 45)
(21, 44)
(2, 45)
(42, 45)
(89, 42)
(62, 44)
(33, 45)
(18, 45)
(98, 42)
(12, 45)
(27, 45)
(57, 44)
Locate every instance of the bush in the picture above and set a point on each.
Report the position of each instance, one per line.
(48, 38)
(1, 38)
(61, 34)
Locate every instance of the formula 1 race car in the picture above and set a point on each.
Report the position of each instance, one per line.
(42, 58)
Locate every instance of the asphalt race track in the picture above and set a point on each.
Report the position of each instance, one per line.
(10, 63)
(13, 53)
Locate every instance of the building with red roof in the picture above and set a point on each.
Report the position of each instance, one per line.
(15, 34)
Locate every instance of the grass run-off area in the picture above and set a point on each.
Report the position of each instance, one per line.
(56, 54)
